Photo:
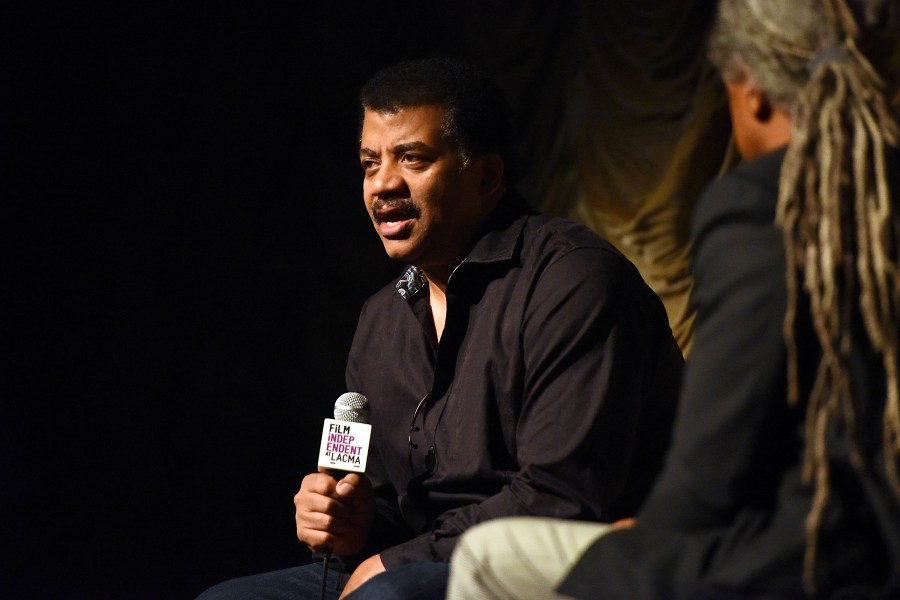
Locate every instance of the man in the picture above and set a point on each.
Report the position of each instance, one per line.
(519, 366)
(782, 479)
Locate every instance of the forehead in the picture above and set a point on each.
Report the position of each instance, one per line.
(413, 124)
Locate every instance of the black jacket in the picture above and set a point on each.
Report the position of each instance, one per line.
(726, 518)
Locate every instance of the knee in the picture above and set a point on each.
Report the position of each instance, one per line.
(474, 541)
(413, 580)
(477, 541)
(220, 591)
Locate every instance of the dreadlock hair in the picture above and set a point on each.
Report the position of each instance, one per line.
(827, 64)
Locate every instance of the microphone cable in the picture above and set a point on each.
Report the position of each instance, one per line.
(326, 556)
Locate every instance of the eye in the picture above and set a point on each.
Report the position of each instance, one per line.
(413, 159)
(368, 164)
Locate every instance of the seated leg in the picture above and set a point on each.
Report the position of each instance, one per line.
(296, 583)
(518, 557)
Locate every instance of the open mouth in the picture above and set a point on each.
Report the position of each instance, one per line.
(394, 218)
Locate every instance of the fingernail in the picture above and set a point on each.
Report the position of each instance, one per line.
(344, 488)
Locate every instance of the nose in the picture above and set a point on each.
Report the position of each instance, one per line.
(387, 180)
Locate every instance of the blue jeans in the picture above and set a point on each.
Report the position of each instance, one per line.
(415, 581)
(294, 583)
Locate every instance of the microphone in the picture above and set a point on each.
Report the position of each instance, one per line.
(345, 438)
(352, 407)
(345, 447)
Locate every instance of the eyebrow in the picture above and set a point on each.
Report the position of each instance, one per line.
(398, 149)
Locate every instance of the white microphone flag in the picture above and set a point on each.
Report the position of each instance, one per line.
(345, 445)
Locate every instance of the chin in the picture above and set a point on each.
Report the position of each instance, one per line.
(399, 250)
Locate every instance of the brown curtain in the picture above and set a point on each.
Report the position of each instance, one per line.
(624, 120)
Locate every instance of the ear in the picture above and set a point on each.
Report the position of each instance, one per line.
(759, 104)
(491, 171)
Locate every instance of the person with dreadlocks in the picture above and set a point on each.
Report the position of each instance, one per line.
(782, 480)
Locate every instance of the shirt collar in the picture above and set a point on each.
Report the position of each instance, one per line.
(498, 242)
(412, 280)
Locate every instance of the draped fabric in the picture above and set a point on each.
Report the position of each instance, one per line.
(625, 122)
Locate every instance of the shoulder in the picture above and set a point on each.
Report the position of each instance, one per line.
(551, 240)
(737, 249)
(571, 261)
(749, 192)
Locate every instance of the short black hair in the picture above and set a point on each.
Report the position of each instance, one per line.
(478, 118)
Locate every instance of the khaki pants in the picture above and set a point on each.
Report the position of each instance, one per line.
(518, 557)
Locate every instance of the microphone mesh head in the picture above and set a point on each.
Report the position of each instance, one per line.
(352, 407)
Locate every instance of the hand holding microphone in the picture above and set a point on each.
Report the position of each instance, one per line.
(334, 508)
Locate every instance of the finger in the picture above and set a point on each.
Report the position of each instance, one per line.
(341, 536)
(317, 530)
(326, 524)
(318, 483)
(353, 485)
(316, 540)
(346, 487)
(317, 504)
(626, 523)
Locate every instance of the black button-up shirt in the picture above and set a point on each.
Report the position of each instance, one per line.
(551, 392)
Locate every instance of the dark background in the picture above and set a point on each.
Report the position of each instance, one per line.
(185, 253)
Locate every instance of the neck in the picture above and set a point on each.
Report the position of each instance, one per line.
(777, 134)
(437, 294)
(769, 135)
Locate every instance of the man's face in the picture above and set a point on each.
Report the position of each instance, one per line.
(425, 204)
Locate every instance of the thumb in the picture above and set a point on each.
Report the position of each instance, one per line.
(347, 485)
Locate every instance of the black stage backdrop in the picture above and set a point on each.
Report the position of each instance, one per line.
(185, 253)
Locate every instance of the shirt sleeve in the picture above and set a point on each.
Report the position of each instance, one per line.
(593, 334)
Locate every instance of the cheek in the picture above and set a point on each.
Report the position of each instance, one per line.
(738, 110)
(743, 138)
(429, 196)
(367, 190)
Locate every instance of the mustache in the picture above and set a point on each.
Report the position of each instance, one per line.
(385, 207)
